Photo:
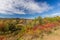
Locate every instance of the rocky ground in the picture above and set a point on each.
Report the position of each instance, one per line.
(55, 35)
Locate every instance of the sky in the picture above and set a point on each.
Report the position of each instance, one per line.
(29, 8)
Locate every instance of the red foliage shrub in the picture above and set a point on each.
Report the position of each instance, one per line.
(45, 26)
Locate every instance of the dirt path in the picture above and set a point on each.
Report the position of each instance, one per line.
(55, 35)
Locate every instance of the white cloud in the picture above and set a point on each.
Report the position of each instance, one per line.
(55, 14)
(20, 6)
(52, 15)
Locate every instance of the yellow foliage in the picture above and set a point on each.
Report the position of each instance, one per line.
(30, 32)
(38, 31)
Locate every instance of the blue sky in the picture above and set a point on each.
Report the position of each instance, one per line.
(29, 8)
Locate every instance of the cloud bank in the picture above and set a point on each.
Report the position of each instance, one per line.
(52, 15)
(23, 7)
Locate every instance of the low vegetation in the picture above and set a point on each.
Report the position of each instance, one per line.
(32, 27)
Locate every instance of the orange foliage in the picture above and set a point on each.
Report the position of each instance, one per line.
(1, 38)
(1, 24)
